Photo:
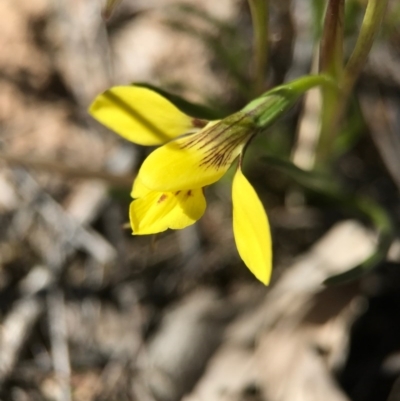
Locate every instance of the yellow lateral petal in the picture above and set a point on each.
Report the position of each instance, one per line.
(251, 229)
(158, 211)
(199, 159)
(140, 115)
(139, 190)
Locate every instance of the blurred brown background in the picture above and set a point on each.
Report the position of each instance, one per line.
(88, 312)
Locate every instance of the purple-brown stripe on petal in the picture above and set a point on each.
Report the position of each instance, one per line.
(220, 141)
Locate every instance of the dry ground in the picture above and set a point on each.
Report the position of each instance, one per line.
(88, 312)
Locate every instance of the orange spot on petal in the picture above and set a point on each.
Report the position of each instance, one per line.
(198, 123)
(162, 198)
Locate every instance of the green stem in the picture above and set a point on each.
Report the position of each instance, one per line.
(259, 16)
(272, 104)
(303, 84)
(335, 106)
(369, 28)
(331, 52)
(331, 63)
(318, 8)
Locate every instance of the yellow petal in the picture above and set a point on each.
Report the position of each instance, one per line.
(158, 211)
(140, 115)
(199, 159)
(251, 229)
(139, 190)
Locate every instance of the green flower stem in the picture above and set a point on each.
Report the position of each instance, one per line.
(370, 25)
(271, 105)
(301, 85)
(372, 20)
(259, 16)
(331, 63)
(331, 50)
(334, 105)
(318, 8)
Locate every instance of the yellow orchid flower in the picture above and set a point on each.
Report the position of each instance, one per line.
(169, 189)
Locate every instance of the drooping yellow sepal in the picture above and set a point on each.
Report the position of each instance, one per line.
(158, 211)
(251, 229)
(140, 115)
